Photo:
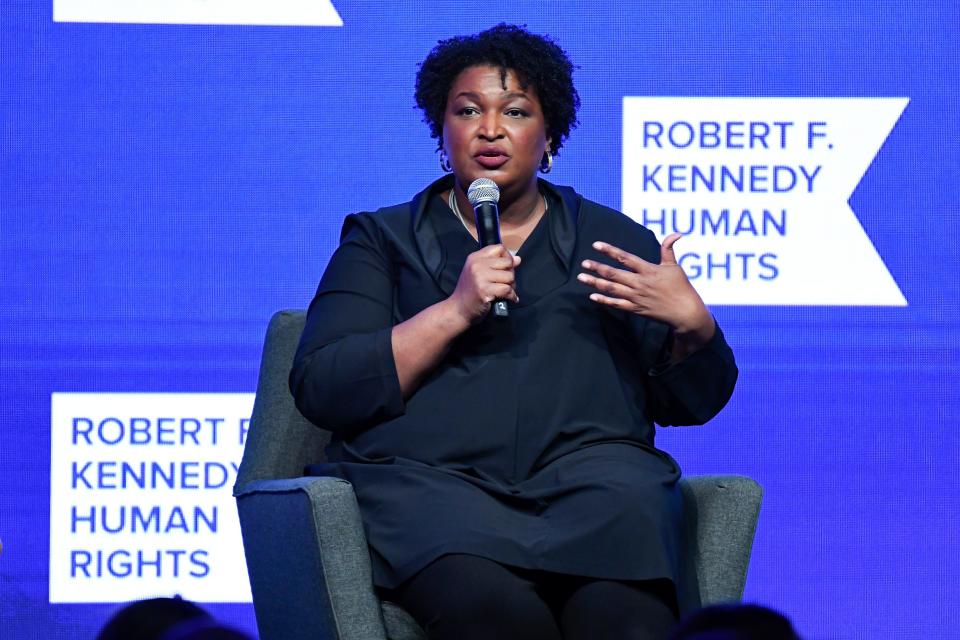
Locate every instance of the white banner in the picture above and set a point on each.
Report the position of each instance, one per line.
(760, 189)
(140, 496)
(309, 13)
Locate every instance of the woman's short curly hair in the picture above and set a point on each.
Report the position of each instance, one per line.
(536, 60)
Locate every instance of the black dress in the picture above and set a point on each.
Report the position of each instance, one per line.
(532, 443)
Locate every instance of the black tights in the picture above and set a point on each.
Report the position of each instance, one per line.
(464, 597)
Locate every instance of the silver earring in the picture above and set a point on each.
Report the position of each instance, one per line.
(546, 165)
(445, 162)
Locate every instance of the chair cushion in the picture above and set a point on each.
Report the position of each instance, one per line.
(400, 625)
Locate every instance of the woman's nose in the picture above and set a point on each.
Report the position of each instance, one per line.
(490, 126)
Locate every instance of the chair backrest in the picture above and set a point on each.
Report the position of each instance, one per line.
(280, 441)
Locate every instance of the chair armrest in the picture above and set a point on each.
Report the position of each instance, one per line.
(721, 513)
(308, 560)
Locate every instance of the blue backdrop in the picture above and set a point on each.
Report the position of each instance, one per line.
(165, 188)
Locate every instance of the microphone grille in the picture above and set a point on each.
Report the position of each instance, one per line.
(483, 190)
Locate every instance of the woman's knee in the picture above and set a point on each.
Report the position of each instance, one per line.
(462, 597)
(602, 609)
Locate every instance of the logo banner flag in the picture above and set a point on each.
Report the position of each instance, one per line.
(307, 13)
(760, 187)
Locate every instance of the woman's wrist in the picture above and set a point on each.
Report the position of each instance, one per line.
(450, 317)
(420, 342)
(691, 337)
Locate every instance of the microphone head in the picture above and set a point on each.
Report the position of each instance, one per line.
(483, 190)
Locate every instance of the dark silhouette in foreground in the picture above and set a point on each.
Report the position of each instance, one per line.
(735, 622)
(166, 619)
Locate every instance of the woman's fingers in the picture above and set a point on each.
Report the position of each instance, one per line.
(501, 292)
(492, 251)
(498, 251)
(502, 263)
(628, 260)
(661, 291)
(605, 286)
(607, 272)
(500, 275)
(496, 257)
(616, 303)
(484, 261)
(616, 287)
(488, 275)
(667, 256)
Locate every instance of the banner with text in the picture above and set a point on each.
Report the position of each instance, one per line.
(759, 188)
(140, 496)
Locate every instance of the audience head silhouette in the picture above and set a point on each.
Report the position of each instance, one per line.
(165, 619)
(735, 622)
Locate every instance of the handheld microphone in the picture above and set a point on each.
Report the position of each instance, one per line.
(484, 195)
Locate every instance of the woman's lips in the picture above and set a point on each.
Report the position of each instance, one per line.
(492, 161)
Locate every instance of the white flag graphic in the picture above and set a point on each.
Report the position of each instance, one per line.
(760, 188)
(310, 13)
(140, 496)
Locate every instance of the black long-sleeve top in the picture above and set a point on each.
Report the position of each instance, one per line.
(532, 442)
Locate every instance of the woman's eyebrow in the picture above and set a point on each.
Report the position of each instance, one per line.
(505, 96)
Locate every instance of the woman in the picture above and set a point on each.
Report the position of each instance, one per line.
(505, 469)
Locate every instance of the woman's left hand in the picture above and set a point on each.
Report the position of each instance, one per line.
(659, 291)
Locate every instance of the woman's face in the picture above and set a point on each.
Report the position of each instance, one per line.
(494, 132)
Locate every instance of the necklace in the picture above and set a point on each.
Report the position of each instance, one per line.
(452, 203)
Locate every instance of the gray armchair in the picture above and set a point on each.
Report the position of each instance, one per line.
(305, 546)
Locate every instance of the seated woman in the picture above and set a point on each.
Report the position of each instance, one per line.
(505, 469)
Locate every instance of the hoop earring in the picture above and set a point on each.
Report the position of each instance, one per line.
(546, 165)
(445, 162)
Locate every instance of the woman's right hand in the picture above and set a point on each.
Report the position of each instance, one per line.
(420, 343)
(487, 275)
